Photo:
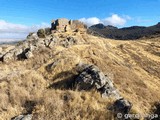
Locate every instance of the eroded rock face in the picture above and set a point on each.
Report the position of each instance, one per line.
(92, 77)
(23, 117)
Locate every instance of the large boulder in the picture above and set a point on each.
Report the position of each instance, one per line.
(92, 77)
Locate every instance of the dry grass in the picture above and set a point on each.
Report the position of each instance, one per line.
(32, 86)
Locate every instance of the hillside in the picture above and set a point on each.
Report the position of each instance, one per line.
(128, 33)
(38, 81)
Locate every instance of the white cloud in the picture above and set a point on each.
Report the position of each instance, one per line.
(90, 21)
(10, 30)
(114, 20)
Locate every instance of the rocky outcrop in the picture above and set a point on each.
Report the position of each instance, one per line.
(23, 117)
(65, 25)
(92, 77)
(44, 39)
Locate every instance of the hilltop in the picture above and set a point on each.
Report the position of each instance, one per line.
(38, 75)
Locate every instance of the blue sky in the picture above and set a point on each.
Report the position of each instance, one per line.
(18, 17)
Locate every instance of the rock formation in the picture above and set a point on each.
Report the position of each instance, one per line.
(44, 39)
(92, 77)
(65, 25)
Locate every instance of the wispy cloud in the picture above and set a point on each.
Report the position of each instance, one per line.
(114, 20)
(11, 30)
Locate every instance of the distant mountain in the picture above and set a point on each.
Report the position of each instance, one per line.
(127, 33)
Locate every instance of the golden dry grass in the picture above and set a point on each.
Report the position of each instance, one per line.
(27, 86)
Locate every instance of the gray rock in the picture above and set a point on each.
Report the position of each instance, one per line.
(46, 42)
(121, 106)
(7, 57)
(18, 51)
(23, 117)
(52, 42)
(51, 66)
(40, 44)
(32, 47)
(92, 77)
(33, 36)
(110, 91)
(29, 54)
(67, 42)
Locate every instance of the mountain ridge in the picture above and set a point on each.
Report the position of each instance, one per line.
(126, 33)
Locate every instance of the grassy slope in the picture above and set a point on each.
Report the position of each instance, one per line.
(27, 86)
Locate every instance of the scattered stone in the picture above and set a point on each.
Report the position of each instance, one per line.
(109, 91)
(51, 66)
(52, 42)
(33, 36)
(67, 42)
(23, 117)
(18, 51)
(7, 57)
(29, 54)
(121, 106)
